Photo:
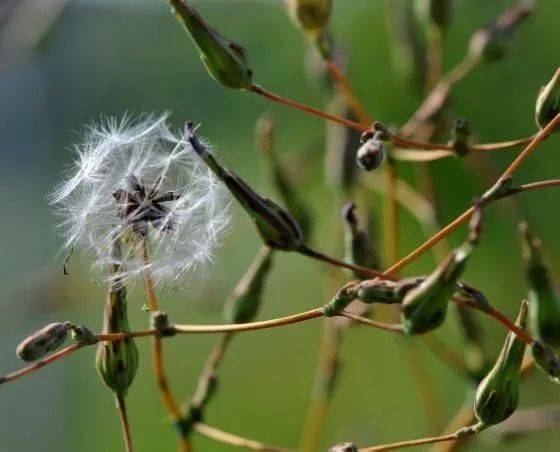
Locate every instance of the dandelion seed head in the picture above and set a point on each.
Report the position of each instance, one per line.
(139, 183)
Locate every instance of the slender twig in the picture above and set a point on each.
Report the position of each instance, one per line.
(123, 414)
(234, 440)
(157, 358)
(411, 443)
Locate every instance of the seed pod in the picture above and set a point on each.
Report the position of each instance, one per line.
(371, 154)
(359, 250)
(546, 360)
(276, 226)
(42, 342)
(385, 291)
(284, 187)
(117, 361)
(497, 395)
(460, 135)
(544, 301)
(245, 300)
(225, 60)
(311, 15)
(548, 102)
(344, 447)
(340, 301)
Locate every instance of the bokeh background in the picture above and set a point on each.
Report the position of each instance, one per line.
(62, 68)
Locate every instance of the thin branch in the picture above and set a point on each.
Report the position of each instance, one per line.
(234, 440)
(411, 443)
(123, 415)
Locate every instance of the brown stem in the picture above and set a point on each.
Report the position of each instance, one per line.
(410, 443)
(234, 440)
(338, 263)
(123, 415)
(348, 93)
(306, 108)
(383, 326)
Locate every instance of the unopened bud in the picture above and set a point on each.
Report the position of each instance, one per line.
(424, 307)
(548, 102)
(81, 333)
(544, 301)
(245, 300)
(276, 226)
(44, 341)
(460, 136)
(385, 291)
(117, 361)
(501, 188)
(340, 301)
(546, 360)
(226, 60)
(373, 151)
(497, 395)
(438, 12)
(159, 320)
(311, 15)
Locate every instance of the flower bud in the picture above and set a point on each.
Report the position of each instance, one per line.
(373, 151)
(497, 395)
(358, 249)
(276, 226)
(42, 342)
(225, 60)
(424, 307)
(548, 102)
(311, 15)
(117, 361)
(460, 135)
(385, 291)
(245, 300)
(81, 333)
(544, 301)
(546, 360)
(340, 301)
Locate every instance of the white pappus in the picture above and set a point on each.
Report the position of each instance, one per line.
(139, 183)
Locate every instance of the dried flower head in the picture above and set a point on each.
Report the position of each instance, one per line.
(139, 183)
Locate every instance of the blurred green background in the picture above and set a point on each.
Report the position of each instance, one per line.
(104, 58)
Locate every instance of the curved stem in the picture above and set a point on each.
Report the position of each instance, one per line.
(410, 443)
(123, 415)
(234, 440)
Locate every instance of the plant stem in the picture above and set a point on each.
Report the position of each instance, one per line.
(157, 357)
(306, 108)
(348, 93)
(234, 440)
(306, 251)
(411, 443)
(123, 414)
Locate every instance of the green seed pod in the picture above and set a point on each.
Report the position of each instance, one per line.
(311, 15)
(42, 342)
(546, 360)
(280, 179)
(497, 395)
(276, 226)
(340, 301)
(358, 248)
(548, 102)
(117, 361)
(225, 60)
(544, 301)
(385, 291)
(460, 136)
(244, 302)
